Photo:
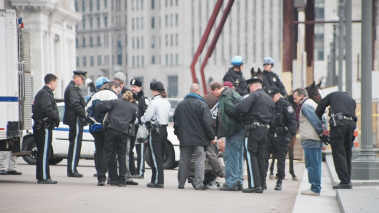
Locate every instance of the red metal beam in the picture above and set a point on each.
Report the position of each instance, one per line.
(205, 37)
(214, 42)
(288, 35)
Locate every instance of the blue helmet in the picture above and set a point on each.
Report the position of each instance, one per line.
(268, 61)
(237, 60)
(101, 81)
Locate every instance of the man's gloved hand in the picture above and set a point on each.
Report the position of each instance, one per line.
(324, 137)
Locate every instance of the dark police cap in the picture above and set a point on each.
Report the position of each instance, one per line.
(136, 82)
(273, 91)
(254, 79)
(156, 86)
(80, 73)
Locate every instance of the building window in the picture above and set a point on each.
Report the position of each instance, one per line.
(142, 61)
(76, 6)
(171, 59)
(141, 4)
(166, 20)
(176, 40)
(177, 59)
(171, 3)
(153, 22)
(90, 5)
(84, 61)
(90, 22)
(166, 40)
(77, 61)
(92, 61)
(99, 61)
(172, 87)
(106, 40)
(98, 22)
(176, 19)
(166, 59)
(153, 59)
(106, 60)
(152, 4)
(83, 6)
(105, 21)
(98, 41)
(133, 61)
(84, 42)
(171, 40)
(119, 52)
(90, 41)
(98, 4)
(105, 3)
(77, 43)
(84, 23)
(166, 3)
(153, 40)
(171, 20)
(177, 2)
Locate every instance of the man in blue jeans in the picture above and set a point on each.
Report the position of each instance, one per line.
(311, 134)
(229, 127)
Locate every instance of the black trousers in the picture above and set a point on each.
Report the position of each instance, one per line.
(341, 140)
(75, 147)
(140, 151)
(43, 140)
(157, 140)
(256, 156)
(115, 147)
(278, 148)
(99, 155)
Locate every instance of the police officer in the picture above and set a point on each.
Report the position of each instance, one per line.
(157, 115)
(75, 118)
(46, 117)
(139, 171)
(235, 76)
(270, 79)
(256, 111)
(283, 128)
(342, 125)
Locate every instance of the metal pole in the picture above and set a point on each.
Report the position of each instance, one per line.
(340, 47)
(348, 46)
(366, 90)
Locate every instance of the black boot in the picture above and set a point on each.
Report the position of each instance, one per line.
(278, 186)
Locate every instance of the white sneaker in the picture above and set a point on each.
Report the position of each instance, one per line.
(310, 193)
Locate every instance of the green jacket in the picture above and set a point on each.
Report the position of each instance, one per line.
(228, 123)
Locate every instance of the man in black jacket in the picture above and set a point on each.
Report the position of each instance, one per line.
(193, 126)
(75, 118)
(46, 117)
(270, 79)
(139, 171)
(342, 126)
(256, 112)
(235, 76)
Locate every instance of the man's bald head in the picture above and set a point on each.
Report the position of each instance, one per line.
(195, 88)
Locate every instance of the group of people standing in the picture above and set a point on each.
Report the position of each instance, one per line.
(245, 119)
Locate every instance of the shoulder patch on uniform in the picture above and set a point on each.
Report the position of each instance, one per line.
(290, 109)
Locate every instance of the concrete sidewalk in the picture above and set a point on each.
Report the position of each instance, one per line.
(326, 203)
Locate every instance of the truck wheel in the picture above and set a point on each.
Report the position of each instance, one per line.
(168, 156)
(29, 145)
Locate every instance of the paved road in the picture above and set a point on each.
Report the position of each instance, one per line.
(21, 194)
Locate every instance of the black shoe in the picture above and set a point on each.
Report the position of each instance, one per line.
(48, 181)
(253, 190)
(14, 172)
(180, 187)
(234, 188)
(101, 183)
(75, 175)
(278, 186)
(156, 186)
(116, 183)
(131, 182)
(201, 187)
(343, 186)
(264, 186)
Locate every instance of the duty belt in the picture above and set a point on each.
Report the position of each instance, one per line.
(256, 124)
(340, 116)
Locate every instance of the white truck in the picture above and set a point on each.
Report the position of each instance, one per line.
(16, 93)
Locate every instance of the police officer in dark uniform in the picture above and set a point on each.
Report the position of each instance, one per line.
(256, 112)
(235, 76)
(75, 118)
(139, 171)
(283, 128)
(342, 126)
(46, 117)
(270, 79)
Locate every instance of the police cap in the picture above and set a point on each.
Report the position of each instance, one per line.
(272, 92)
(136, 82)
(82, 74)
(254, 79)
(157, 86)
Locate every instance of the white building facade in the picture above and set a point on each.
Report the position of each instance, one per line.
(49, 37)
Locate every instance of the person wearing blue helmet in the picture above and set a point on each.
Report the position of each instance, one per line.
(100, 82)
(270, 79)
(235, 76)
